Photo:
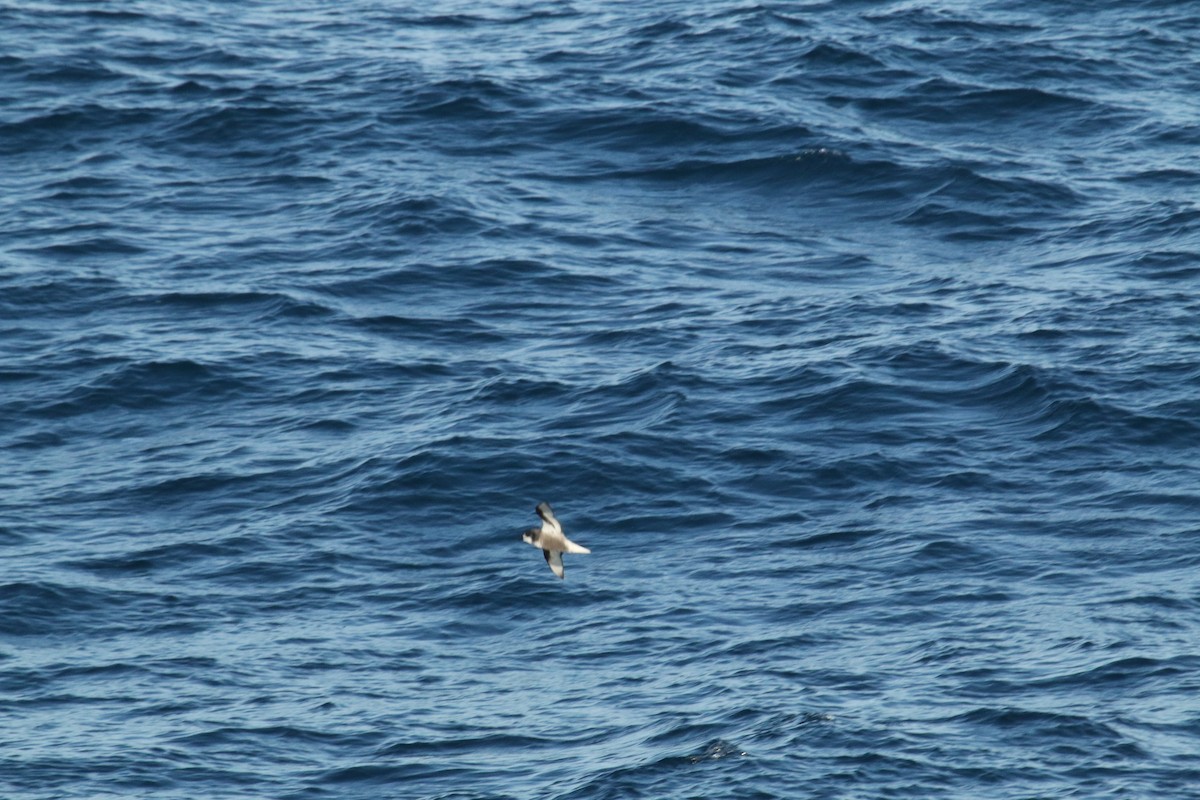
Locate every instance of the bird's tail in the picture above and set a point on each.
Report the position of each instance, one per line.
(576, 548)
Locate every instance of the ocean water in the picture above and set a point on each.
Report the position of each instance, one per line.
(860, 342)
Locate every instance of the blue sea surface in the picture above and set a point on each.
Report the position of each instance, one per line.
(858, 340)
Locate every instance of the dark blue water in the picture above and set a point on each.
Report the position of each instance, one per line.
(860, 341)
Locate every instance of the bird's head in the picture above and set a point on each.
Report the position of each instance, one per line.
(530, 536)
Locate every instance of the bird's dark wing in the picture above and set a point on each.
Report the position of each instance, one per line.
(554, 559)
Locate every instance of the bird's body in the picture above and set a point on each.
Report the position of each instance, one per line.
(551, 539)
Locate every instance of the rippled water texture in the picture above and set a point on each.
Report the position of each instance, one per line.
(860, 342)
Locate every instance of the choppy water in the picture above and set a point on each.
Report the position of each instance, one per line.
(860, 341)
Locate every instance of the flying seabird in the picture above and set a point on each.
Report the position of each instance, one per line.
(551, 539)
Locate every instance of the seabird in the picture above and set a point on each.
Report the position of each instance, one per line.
(551, 539)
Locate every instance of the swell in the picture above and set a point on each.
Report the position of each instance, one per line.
(146, 385)
(59, 610)
(913, 381)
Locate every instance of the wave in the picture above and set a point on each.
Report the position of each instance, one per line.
(144, 385)
(50, 131)
(54, 609)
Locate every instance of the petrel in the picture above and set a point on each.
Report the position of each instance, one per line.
(551, 539)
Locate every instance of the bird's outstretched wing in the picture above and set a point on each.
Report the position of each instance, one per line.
(554, 559)
(550, 523)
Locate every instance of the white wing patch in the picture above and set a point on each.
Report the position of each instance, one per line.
(550, 523)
